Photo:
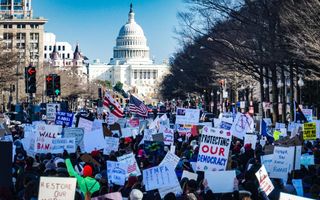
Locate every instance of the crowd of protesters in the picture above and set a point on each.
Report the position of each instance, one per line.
(92, 179)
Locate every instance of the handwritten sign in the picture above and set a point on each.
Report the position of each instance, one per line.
(282, 162)
(214, 149)
(189, 175)
(86, 124)
(309, 131)
(93, 140)
(44, 136)
(116, 172)
(170, 158)
(187, 116)
(159, 177)
(264, 180)
(242, 124)
(64, 118)
(251, 139)
(60, 144)
(285, 196)
(52, 108)
(57, 188)
(267, 161)
(168, 136)
(221, 181)
(112, 144)
(76, 133)
(130, 160)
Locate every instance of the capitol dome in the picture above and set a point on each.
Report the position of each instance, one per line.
(131, 44)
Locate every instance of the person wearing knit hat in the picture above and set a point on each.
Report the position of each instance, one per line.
(136, 195)
(87, 183)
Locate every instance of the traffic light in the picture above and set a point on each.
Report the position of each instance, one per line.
(57, 87)
(30, 79)
(49, 85)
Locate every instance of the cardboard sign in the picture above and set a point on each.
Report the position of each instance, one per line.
(282, 162)
(44, 136)
(297, 183)
(64, 118)
(187, 116)
(86, 124)
(112, 196)
(93, 140)
(189, 175)
(214, 149)
(60, 144)
(251, 139)
(285, 196)
(267, 161)
(309, 131)
(159, 177)
(77, 133)
(168, 136)
(242, 124)
(220, 181)
(264, 180)
(57, 188)
(52, 108)
(170, 158)
(112, 144)
(130, 161)
(116, 172)
(6, 164)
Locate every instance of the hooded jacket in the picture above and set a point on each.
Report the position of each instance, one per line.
(86, 184)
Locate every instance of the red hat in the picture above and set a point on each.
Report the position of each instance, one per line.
(95, 153)
(247, 146)
(127, 140)
(87, 171)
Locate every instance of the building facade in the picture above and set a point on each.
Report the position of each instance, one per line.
(131, 63)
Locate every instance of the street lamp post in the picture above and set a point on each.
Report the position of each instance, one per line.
(211, 104)
(300, 84)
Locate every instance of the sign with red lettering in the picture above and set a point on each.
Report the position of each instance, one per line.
(57, 188)
(44, 136)
(264, 180)
(214, 149)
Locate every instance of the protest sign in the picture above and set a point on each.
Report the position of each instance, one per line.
(44, 136)
(115, 129)
(276, 135)
(307, 160)
(176, 189)
(220, 181)
(159, 177)
(297, 161)
(85, 123)
(226, 123)
(130, 161)
(184, 129)
(57, 188)
(308, 114)
(116, 172)
(242, 124)
(143, 125)
(93, 140)
(134, 123)
(111, 196)
(173, 149)
(279, 126)
(168, 136)
(170, 158)
(285, 196)
(147, 135)
(76, 133)
(250, 139)
(122, 122)
(189, 175)
(297, 183)
(64, 118)
(264, 180)
(97, 124)
(112, 144)
(126, 132)
(282, 162)
(214, 149)
(60, 144)
(267, 161)
(158, 137)
(6, 164)
(317, 128)
(187, 116)
(52, 108)
(309, 131)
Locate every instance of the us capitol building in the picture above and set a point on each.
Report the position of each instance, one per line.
(131, 63)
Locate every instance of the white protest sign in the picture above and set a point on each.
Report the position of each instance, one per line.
(220, 181)
(44, 136)
(147, 135)
(297, 158)
(250, 139)
(130, 160)
(282, 162)
(159, 177)
(112, 144)
(126, 132)
(280, 125)
(189, 175)
(116, 172)
(112, 196)
(266, 160)
(264, 180)
(168, 136)
(57, 188)
(85, 124)
(187, 116)
(97, 124)
(173, 149)
(214, 149)
(93, 140)
(285, 196)
(77, 133)
(61, 144)
(170, 158)
(174, 189)
(297, 183)
(242, 124)
(52, 109)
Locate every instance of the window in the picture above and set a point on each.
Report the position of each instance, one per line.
(7, 36)
(68, 55)
(45, 48)
(7, 26)
(21, 36)
(34, 26)
(21, 26)
(63, 48)
(45, 56)
(63, 56)
(50, 48)
(34, 36)
(135, 74)
(59, 48)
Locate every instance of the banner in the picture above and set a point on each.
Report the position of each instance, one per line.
(116, 172)
(130, 161)
(242, 124)
(76, 133)
(57, 188)
(264, 180)
(221, 181)
(112, 144)
(309, 131)
(187, 116)
(159, 177)
(6, 164)
(86, 124)
(214, 149)
(282, 162)
(64, 118)
(60, 144)
(168, 136)
(52, 108)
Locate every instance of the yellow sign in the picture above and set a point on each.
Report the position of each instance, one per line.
(276, 135)
(309, 131)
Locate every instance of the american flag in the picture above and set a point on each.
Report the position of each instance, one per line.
(112, 105)
(137, 106)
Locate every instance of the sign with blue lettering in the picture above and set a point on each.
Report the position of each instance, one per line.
(116, 172)
(214, 149)
(159, 177)
(64, 118)
(282, 162)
